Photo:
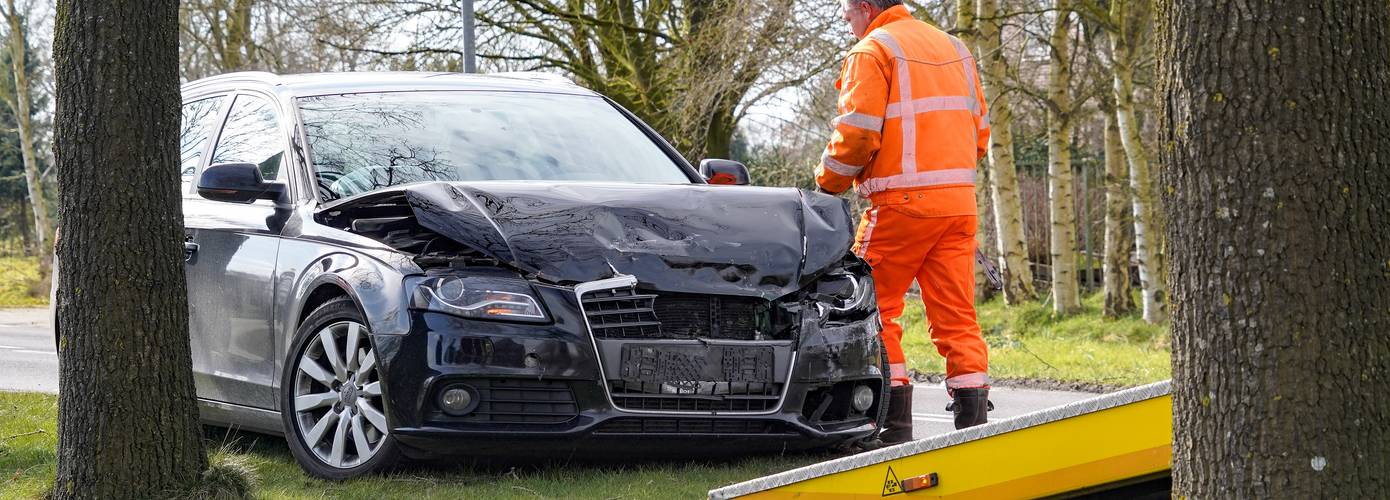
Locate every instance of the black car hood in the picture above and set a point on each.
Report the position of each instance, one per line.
(749, 241)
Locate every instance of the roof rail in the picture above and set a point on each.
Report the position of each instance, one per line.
(258, 76)
(539, 76)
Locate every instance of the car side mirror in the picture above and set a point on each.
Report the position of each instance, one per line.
(238, 183)
(726, 172)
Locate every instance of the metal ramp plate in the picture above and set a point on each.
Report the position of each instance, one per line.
(1113, 439)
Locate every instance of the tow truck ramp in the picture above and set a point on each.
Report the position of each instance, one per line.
(1116, 445)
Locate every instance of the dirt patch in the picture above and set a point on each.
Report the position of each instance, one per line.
(1026, 383)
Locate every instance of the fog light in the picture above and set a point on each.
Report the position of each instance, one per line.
(456, 400)
(863, 398)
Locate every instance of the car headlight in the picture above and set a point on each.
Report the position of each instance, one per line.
(845, 293)
(479, 297)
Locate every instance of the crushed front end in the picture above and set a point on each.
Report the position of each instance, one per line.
(619, 367)
(662, 320)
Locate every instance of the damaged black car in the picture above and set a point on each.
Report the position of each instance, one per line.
(425, 264)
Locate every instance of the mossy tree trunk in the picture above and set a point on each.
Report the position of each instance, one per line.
(1119, 299)
(127, 420)
(1276, 183)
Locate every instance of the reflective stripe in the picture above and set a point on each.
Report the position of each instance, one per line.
(968, 380)
(918, 179)
(938, 103)
(838, 167)
(909, 159)
(898, 372)
(868, 232)
(861, 120)
(984, 121)
(967, 62)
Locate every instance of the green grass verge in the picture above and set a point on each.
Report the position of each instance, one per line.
(28, 464)
(1027, 342)
(17, 277)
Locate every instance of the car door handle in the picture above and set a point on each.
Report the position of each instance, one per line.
(189, 248)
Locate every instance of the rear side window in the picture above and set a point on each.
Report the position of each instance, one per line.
(199, 121)
(251, 135)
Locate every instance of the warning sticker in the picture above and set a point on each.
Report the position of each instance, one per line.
(891, 486)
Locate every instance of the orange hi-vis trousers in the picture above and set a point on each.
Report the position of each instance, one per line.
(902, 242)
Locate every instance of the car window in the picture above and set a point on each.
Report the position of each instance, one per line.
(195, 129)
(368, 141)
(251, 135)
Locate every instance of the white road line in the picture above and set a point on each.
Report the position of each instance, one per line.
(8, 347)
(27, 351)
(934, 419)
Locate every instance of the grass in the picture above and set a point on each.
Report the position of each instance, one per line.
(1026, 342)
(17, 276)
(28, 464)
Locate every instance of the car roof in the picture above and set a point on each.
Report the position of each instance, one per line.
(309, 84)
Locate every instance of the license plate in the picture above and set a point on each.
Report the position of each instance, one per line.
(696, 365)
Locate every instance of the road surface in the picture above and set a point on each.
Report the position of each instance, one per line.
(27, 359)
(28, 363)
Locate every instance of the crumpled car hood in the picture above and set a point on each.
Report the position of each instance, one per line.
(749, 241)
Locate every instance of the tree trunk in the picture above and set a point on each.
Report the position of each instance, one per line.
(1124, 44)
(1066, 297)
(1119, 300)
(18, 45)
(127, 421)
(1004, 191)
(239, 53)
(965, 31)
(1277, 191)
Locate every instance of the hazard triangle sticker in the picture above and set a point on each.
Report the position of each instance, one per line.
(891, 486)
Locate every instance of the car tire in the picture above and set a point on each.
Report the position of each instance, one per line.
(884, 388)
(331, 403)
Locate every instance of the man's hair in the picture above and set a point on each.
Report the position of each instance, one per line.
(882, 4)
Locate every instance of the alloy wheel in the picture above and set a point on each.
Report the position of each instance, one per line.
(337, 396)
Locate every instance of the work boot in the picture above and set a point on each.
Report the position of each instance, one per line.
(971, 406)
(898, 428)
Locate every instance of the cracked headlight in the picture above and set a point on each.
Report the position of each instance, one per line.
(480, 297)
(845, 293)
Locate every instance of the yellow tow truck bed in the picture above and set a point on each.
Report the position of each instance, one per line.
(1084, 447)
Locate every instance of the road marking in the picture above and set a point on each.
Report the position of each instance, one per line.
(28, 351)
(9, 347)
(933, 419)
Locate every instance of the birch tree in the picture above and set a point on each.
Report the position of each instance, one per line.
(965, 30)
(1004, 190)
(1131, 20)
(19, 103)
(1061, 111)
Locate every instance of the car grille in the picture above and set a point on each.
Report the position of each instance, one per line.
(626, 314)
(517, 401)
(621, 314)
(692, 426)
(686, 376)
(750, 397)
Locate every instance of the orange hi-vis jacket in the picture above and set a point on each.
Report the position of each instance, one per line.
(912, 117)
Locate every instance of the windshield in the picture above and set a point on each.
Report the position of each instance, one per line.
(364, 142)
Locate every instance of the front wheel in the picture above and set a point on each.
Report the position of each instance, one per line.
(331, 399)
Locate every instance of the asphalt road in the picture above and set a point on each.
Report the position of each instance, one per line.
(28, 363)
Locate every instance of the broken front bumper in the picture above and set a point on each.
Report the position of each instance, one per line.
(539, 389)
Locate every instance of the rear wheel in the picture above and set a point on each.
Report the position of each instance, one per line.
(332, 403)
